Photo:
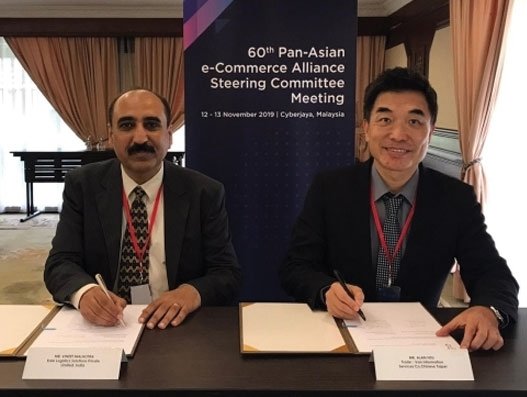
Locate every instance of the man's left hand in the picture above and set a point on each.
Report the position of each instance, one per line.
(171, 307)
(481, 329)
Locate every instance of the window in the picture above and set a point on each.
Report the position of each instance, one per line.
(30, 123)
(504, 153)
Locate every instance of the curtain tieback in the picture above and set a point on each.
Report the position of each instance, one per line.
(466, 166)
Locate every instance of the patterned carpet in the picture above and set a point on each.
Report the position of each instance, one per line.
(12, 222)
(23, 250)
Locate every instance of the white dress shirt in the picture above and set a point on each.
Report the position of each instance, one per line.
(157, 272)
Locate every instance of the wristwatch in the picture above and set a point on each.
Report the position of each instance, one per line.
(498, 315)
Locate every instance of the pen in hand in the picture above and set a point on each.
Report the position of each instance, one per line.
(348, 291)
(102, 284)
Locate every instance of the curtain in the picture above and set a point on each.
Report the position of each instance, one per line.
(78, 76)
(505, 149)
(477, 34)
(29, 123)
(126, 63)
(370, 62)
(159, 67)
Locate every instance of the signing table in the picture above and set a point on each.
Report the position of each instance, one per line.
(202, 358)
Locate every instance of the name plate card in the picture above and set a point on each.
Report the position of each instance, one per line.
(73, 363)
(422, 363)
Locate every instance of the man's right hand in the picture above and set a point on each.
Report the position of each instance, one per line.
(95, 307)
(340, 305)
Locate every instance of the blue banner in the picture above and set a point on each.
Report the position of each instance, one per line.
(269, 102)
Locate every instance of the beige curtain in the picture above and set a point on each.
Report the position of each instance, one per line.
(126, 63)
(370, 62)
(78, 76)
(477, 34)
(159, 67)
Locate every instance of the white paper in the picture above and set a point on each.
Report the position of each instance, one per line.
(72, 363)
(396, 324)
(416, 363)
(69, 329)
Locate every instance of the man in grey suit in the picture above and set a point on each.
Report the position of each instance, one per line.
(341, 226)
(191, 260)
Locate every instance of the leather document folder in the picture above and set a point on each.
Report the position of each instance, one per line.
(21, 324)
(277, 328)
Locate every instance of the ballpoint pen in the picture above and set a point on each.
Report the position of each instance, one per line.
(102, 284)
(348, 291)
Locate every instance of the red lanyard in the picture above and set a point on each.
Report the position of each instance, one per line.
(140, 252)
(382, 240)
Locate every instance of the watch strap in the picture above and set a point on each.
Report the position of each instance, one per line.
(501, 318)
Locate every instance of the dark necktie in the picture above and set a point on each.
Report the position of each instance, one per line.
(130, 271)
(391, 230)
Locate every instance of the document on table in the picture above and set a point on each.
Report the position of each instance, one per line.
(295, 328)
(288, 328)
(396, 324)
(21, 323)
(69, 329)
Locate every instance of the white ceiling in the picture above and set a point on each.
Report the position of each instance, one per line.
(140, 8)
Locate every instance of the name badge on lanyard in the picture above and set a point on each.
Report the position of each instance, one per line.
(140, 294)
(391, 293)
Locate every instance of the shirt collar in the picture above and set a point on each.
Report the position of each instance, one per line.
(408, 191)
(150, 187)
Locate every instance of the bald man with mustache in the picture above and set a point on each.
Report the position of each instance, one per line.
(183, 260)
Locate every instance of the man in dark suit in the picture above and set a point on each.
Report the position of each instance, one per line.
(190, 258)
(342, 224)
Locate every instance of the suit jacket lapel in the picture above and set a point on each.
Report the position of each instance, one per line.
(109, 206)
(350, 241)
(361, 224)
(176, 207)
(421, 229)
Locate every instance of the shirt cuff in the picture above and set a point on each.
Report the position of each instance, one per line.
(322, 296)
(75, 298)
